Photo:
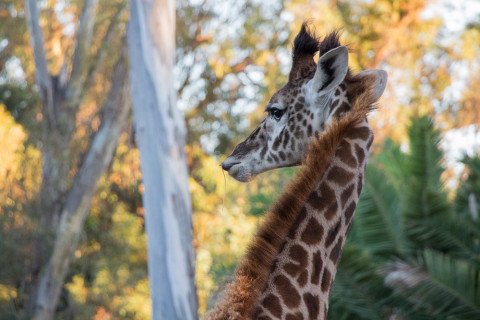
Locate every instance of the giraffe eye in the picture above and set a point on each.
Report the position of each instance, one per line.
(276, 113)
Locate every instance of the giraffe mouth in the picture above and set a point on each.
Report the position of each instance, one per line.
(237, 171)
(228, 166)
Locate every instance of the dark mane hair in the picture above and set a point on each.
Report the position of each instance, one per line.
(331, 41)
(305, 46)
(307, 43)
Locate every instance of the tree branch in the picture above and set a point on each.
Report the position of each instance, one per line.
(102, 51)
(43, 77)
(82, 46)
(394, 34)
(79, 197)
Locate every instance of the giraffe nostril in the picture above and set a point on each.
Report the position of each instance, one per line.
(227, 167)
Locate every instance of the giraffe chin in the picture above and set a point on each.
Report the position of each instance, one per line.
(239, 173)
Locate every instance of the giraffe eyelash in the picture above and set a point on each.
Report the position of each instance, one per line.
(275, 113)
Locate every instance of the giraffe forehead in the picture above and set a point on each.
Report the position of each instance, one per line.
(289, 94)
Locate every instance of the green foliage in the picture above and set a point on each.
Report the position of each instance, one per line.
(413, 251)
(447, 287)
(378, 219)
(20, 101)
(108, 277)
(358, 291)
(19, 180)
(467, 201)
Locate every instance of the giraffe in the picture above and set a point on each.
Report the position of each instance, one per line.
(317, 119)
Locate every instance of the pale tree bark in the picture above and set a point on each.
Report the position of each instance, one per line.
(160, 134)
(63, 201)
(77, 204)
(60, 102)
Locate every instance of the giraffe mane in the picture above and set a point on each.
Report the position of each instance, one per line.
(306, 45)
(251, 275)
(331, 41)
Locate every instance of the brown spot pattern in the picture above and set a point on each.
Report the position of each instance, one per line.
(359, 184)
(332, 210)
(347, 194)
(340, 176)
(314, 200)
(299, 134)
(287, 138)
(349, 212)
(276, 144)
(272, 304)
(326, 280)
(313, 305)
(302, 279)
(360, 154)
(298, 254)
(313, 232)
(317, 267)
(337, 251)
(296, 316)
(292, 269)
(263, 152)
(369, 143)
(300, 217)
(344, 108)
(332, 234)
(287, 291)
(327, 195)
(359, 133)
(256, 313)
(345, 154)
(334, 104)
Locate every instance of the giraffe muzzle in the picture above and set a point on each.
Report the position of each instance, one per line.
(227, 166)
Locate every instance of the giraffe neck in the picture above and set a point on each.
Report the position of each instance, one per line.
(284, 226)
(299, 283)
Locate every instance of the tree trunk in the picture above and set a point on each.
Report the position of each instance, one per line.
(160, 134)
(63, 201)
(77, 204)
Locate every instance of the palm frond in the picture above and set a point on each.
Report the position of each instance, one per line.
(467, 202)
(358, 291)
(425, 156)
(377, 224)
(439, 285)
(424, 198)
(392, 161)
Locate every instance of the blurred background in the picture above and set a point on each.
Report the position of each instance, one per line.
(414, 249)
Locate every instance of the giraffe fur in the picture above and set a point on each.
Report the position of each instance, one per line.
(270, 277)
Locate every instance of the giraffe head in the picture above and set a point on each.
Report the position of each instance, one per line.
(313, 95)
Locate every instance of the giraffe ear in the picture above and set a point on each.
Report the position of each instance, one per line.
(380, 80)
(331, 70)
